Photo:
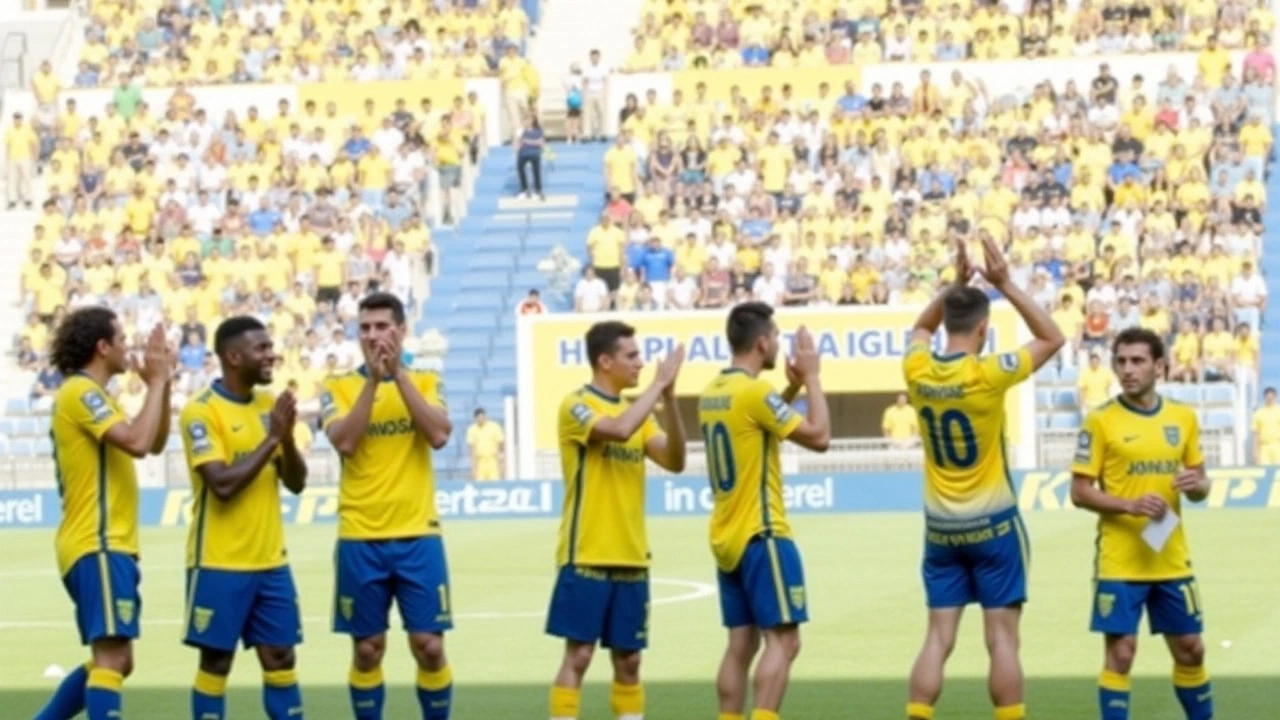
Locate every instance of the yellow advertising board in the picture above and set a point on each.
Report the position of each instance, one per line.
(351, 96)
(861, 350)
(804, 82)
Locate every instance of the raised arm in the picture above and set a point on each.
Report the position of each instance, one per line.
(814, 430)
(668, 448)
(139, 435)
(930, 318)
(225, 480)
(1048, 338)
(345, 431)
(622, 427)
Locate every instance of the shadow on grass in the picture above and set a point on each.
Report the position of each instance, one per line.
(965, 699)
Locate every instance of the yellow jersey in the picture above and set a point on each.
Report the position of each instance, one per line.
(743, 419)
(387, 488)
(96, 480)
(1266, 424)
(485, 440)
(246, 532)
(602, 523)
(1131, 452)
(899, 422)
(960, 400)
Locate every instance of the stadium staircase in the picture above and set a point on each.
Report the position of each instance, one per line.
(489, 263)
(1269, 359)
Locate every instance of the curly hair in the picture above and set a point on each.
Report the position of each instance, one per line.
(76, 340)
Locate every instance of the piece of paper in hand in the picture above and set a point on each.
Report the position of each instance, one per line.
(1158, 532)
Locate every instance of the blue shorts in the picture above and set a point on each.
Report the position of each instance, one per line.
(255, 607)
(605, 605)
(1173, 607)
(984, 561)
(766, 590)
(372, 573)
(104, 588)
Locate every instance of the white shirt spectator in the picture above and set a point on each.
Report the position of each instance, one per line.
(733, 132)
(594, 77)
(399, 270)
(769, 290)
(1199, 111)
(212, 177)
(897, 49)
(1025, 218)
(1055, 218)
(681, 293)
(1104, 116)
(1129, 220)
(405, 167)
(723, 252)
(896, 249)
(779, 257)
(203, 216)
(388, 140)
(321, 149)
(1105, 293)
(744, 181)
(1248, 291)
(591, 295)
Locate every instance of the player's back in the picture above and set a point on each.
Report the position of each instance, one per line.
(960, 400)
(245, 532)
(96, 480)
(387, 489)
(742, 420)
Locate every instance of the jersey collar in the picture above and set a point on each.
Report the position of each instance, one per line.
(364, 372)
(222, 392)
(949, 356)
(1135, 409)
(600, 393)
(733, 370)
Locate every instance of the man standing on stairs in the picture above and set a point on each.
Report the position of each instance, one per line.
(595, 81)
(21, 148)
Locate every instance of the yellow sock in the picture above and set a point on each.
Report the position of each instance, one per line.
(565, 703)
(365, 680)
(435, 679)
(1185, 676)
(1012, 712)
(764, 715)
(210, 684)
(278, 678)
(1110, 680)
(626, 700)
(919, 711)
(105, 679)
(731, 716)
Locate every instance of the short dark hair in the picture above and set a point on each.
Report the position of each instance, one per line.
(746, 323)
(479, 411)
(963, 309)
(384, 301)
(233, 329)
(1269, 391)
(1140, 336)
(76, 339)
(602, 338)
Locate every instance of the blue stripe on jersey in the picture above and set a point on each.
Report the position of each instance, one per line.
(577, 503)
(764, 484)
(102, 494)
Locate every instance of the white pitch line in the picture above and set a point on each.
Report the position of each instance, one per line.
(694, 591)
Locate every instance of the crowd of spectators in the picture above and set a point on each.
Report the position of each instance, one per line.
(1121, 202)
(168, 215)
(719, 34)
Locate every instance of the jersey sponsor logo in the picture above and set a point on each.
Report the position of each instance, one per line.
(1106, 603)
(200, 619)
(782, 412)
(1154, 467)
(1009, 362)
(622, 453)
(389, 428)
(125, 611)
(1172, 435)
(199, 434)
(97, 405)
(581, 413)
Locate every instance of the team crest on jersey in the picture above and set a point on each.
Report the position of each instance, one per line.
(1172, 435)
(200, 619)
(199, 434)
(1009, 362)
(1106, 603)
(780, 409)
(581, 413)
(796, 594)
(124, 611)
(96, 404)
(346, 606)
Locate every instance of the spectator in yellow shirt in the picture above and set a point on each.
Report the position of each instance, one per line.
(1266, 430)
(1095, 383)
(1219, 352)
(899, 422)
(485, 439)
(21, 149)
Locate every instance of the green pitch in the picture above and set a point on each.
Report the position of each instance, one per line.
(865, 598)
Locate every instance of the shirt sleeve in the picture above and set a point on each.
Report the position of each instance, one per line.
(334, 403)
(915, 359)
(771, 412)
(204, 443)
(1089, 445)
(576, 420)
(1192, 455)
(94, 412)
(432, 389)
(1005, 370)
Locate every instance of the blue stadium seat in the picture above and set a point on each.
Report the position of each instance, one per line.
(483, 263)
(6, 446)
(1218, 420)
(17, 406)
(8, 426)
(26, 427)
(1042, 420)
(23, 447)
(464, 358)
(1066, 398)
(43, 423)
(1044, 398)
(1064, 421)
(1047, 375)
(43, 446)
(1189, 394)
(489, 302)
(502, 363)
(174, 443)
(1219, 394)
(1068, 375)
(460, 320)
(468, 342)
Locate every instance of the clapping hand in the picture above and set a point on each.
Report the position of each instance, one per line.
(157, 358)
(668, 370)
(996, 269)
(283, 415)
(1149, 505)
(804, 362)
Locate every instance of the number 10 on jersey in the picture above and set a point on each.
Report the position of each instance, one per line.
(950, 437)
